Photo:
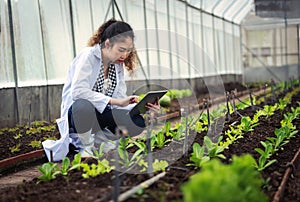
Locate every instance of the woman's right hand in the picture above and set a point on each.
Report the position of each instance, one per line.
(123, 102)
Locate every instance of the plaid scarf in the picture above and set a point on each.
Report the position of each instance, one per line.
(112, 80)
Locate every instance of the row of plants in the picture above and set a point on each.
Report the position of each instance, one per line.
(38, 131)
(208, 172)
(201, 156)
(131, 153)
(236, 132)
(283, 136)
(159, 139)
(26, 138)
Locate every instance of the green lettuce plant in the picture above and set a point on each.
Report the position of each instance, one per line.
(198, 156)
(269, 110)
(213, 149)
(49, 171)
(98, 153)
(75, 164)
(65, 166)
(94, 170)
(35, 144)
(199, 127)
(17, 136)
(125, 158)
(263, 161)
(15, 148)
(217, 182)
(246, 124)
(161, 140)
(281, 104)
(159, 165)
(178, 134)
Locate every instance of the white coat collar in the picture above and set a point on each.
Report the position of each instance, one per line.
(97, 51)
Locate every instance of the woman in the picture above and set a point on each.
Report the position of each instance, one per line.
(94, 100)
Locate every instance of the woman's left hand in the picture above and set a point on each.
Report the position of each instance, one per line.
(153, 107)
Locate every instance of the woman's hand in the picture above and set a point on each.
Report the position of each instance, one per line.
(123, 102)
(153, 107)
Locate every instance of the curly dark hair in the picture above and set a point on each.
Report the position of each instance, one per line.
(114, 30)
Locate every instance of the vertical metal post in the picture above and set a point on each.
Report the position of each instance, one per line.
(149, 122)
(13, 53)
(113, 8)
(214, 41)
(207, 110)
(233, 102)
(213, 28)
(184, 114)
(202, 44)
(286, 42)
(72, 28)
(121, 132)
(265, 92)
(225, 52)
(44, 60)
(117, 171)
(176, 41)
(227, 105)
(146, 37)
(233, 48)
(250, 95)
(241, 53)
(92, 16)
(187, 40)
(157, 36)
(298, 47)
(170, 45)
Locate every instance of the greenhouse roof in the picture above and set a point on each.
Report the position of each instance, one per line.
(252, 13)
(231, 10)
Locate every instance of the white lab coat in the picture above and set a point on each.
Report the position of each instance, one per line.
(82, 76)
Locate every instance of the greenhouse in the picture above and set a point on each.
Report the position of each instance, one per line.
(150, 100)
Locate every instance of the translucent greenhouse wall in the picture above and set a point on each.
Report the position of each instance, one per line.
(44, 45)
(268, 47)
(39, 38)
(271, 52)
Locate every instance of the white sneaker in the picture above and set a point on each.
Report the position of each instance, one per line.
(86, 152)
(110, 145)
(87, 141)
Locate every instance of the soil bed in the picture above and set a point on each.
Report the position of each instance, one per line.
(74, 187)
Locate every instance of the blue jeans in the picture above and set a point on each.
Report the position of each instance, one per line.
(83, 116)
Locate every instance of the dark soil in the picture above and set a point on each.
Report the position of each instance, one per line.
(75, 188)
(24, 135)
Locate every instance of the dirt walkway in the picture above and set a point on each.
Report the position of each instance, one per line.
(18, 177)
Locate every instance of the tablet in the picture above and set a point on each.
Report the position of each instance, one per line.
(150, 97)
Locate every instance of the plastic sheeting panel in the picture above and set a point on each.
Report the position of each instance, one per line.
(6, 65)
(28, 43)
(57, 38)
(185, 41)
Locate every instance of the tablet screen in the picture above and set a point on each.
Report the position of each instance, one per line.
(150, 97)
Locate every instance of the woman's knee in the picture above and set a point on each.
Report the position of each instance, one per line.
(83, 113)
(138, 126)
(82, 107)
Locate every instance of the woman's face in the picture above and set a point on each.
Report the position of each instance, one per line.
(120, 50)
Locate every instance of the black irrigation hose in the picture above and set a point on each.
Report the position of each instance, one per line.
(130, 167)
(254, 106)
(203, 108)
